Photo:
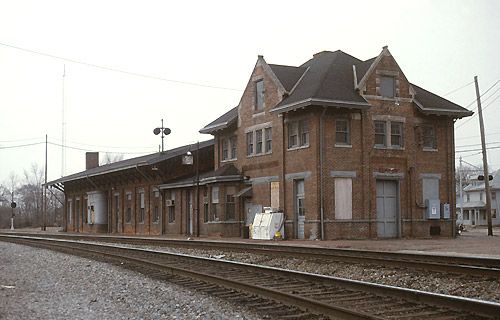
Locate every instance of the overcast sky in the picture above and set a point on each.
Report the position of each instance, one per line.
(198, 56)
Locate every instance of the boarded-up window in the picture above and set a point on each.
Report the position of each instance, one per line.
(387, 88)
(259, 95)
(343, 198)
(430, 188)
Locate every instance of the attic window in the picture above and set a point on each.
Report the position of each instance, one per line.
(259, 95)
(387, 87)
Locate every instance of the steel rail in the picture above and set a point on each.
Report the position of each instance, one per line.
(227, 273)
(477, 266)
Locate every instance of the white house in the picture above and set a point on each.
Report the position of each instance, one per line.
(474, 202)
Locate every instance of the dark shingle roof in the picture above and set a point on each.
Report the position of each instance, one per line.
(430, 103)
(287, 75)
(222, 122)
(227, 172)
(362, 68)
(146, 160)
(329, 80)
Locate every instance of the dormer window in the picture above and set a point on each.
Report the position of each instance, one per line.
(259, 95)
(387, 87)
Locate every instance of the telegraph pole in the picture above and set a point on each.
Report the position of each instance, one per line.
(485, 160)
(461, 217)
(44, 191)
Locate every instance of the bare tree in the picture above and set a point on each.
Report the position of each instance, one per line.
(111, 158)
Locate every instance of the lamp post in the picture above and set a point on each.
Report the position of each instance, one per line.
(164, 132)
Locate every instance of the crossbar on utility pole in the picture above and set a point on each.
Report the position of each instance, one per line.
(485, 160)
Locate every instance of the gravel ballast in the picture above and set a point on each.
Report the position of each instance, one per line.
(42, 284)
(481, 288)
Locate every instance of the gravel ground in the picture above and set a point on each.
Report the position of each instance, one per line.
(450, 284)
(42, 284)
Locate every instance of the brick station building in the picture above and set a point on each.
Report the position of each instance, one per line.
(345, 148)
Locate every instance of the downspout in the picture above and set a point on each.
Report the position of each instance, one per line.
(321, 161)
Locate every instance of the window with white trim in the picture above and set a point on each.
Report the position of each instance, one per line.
(393, 140)
(249, 143)
(229, 148)
(259, 141)
(142, 205)
(342, 132)
(128, 206)
(298, 134)
(269, 139)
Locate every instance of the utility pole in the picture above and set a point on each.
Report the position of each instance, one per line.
(485, 160)
(44, 191)
(461, 217)
(12, 205)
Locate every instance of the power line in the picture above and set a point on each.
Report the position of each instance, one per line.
(476, 144)
(73, 148)
(470, 118)
(131, 73)
(22, 145)
(101, 151)
(472, 150)
(453, 91)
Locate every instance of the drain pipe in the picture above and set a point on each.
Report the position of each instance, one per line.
(321, 160)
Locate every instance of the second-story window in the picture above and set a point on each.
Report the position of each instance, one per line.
(229, 148)
(249, 143)
(298, 134)
(269, 139)
(342, 132)
(259, 95)
(389, 134)
(429, 137)
(258, 141)
(225, 149)
(232, 143)
(380, 136)
(396, 134)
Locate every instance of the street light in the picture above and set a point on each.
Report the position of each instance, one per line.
(164, 132)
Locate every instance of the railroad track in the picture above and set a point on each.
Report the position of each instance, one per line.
(476, 266)
(299, 295)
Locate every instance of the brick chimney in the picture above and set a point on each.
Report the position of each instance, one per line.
(91, 160)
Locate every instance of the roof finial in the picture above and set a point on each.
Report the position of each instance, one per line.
(384, 47)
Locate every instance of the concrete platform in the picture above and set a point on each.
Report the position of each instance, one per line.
(472, 242)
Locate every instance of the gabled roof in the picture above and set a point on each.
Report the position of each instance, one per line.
(146, 160)
(430, 103)
(222, 122)
(287, 75)
(329, 81)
